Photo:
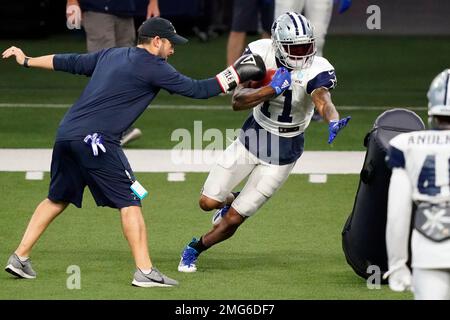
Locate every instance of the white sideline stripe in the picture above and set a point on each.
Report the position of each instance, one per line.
(311, 162)
(176, 176)
(189, 107)
(34, 175)
(34, 105)
(317, 178)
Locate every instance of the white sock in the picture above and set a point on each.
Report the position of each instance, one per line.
(23, 259)
(146, 271)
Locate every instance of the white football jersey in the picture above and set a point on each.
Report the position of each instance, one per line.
(290, 113)
(425, 156)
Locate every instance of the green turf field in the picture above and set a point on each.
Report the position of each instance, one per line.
(381, 71)
(290, 250)
(159, 124)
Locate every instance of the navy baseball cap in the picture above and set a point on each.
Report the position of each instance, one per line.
(162, 28)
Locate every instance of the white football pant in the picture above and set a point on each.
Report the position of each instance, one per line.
(431, 284)
(233, 166)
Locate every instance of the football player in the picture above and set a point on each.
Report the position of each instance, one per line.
(319, 14)
(272, 137)
(421, 174)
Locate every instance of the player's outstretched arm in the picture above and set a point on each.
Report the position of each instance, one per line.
(322, 100)
(44, 62)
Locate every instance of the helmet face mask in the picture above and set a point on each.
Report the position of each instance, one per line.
(439, 101)
(293, 40)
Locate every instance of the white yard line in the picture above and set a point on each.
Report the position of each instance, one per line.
(311, 162)
(188, 107)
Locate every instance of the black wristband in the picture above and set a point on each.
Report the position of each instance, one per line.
(25, 62)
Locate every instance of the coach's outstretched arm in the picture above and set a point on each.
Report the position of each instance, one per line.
(247, 67)
(44, 62)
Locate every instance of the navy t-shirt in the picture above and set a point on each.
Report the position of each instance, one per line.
(123, 83)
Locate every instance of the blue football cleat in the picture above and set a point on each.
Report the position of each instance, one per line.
(217, 217)
(188, 258)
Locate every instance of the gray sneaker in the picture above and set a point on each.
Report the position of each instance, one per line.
(154, 279)
(21, 269)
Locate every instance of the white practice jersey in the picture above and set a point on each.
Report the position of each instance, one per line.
(290, 113)
(425, 157)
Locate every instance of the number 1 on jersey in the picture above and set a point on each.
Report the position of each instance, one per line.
(285, 116)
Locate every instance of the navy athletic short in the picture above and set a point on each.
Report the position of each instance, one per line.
(74, 166)
(248, 13)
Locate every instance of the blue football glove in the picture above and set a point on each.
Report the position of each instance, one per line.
(343, 5)
(335, 126)
(281, 80)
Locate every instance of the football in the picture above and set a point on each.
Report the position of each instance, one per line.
(265, 81)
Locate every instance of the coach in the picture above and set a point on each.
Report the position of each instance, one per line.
(124, 81)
